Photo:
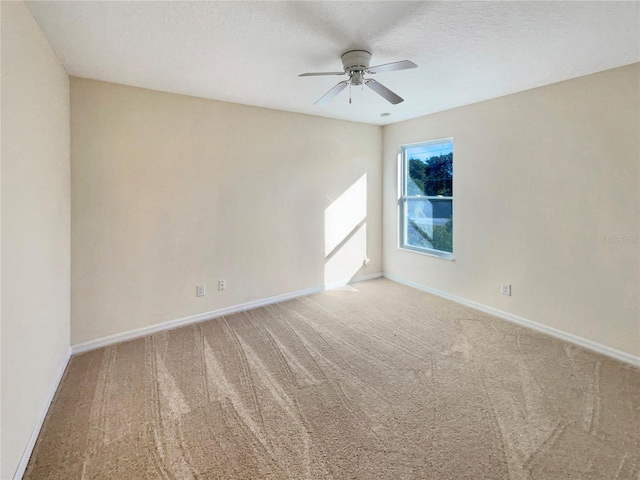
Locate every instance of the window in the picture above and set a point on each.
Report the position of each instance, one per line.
(426, 213)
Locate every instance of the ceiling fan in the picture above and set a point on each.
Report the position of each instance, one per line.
(356, 64)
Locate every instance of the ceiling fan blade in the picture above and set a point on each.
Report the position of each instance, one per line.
(390, 67)
(332, 93)
(384, 92)
(317, 74)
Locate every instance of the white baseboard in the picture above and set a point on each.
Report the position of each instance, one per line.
(201, 317)
(330, 286)
(554, 332)
(22, 466)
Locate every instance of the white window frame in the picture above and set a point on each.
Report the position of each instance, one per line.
(404, 199)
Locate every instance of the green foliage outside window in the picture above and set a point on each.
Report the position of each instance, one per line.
(431, 177)
(442, 238)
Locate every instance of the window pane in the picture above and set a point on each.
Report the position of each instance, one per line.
(430, 170)
(429, 224)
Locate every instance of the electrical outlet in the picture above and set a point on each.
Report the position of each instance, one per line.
(506, 289)
(200, 291)
(222, 285)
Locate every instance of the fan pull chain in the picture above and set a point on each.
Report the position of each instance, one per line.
(349, 93)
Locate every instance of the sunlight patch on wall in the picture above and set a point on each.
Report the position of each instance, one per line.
(345, 233)
(345, 214)
(347, 260)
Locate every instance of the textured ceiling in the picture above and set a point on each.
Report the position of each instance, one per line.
(252, 52)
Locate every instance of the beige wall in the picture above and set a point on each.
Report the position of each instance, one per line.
(171, 191)
(35, 227)
(540, 179)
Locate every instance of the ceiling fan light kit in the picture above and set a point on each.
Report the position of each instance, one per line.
(356, 65)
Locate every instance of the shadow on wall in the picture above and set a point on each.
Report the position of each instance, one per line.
(345, 234)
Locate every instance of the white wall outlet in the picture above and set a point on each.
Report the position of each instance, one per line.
(200, 291)
(222, 285)
(506, 289)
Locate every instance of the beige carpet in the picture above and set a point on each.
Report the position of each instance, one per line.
(374, 381)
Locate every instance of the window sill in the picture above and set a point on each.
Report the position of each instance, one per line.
(429, 253)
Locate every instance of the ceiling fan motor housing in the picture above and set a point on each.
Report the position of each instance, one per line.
(356, 61)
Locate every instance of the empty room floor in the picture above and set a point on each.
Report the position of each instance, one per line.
(376, 380)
